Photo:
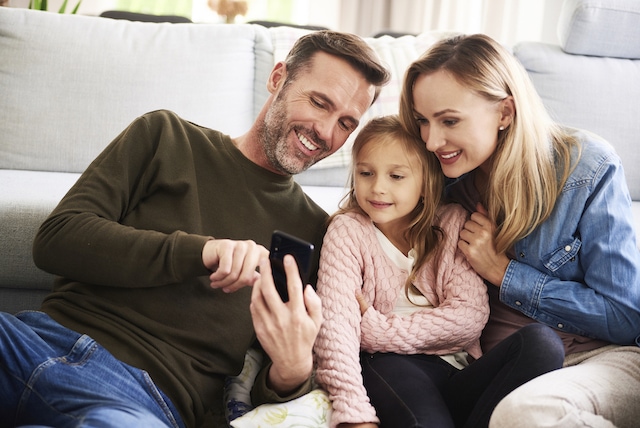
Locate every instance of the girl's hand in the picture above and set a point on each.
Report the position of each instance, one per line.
(477, 243)
(364, 305)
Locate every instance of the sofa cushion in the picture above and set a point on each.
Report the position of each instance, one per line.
(593, 93)
(600, 27)
(71, 83)
(26, 199)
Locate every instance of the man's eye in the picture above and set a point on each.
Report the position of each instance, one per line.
(346, 126)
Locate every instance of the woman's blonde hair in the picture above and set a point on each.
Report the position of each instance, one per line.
(533, 156)
(423, 234)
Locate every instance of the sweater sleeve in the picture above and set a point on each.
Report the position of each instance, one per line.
(337, 346)
(90, 235)
(460, 305)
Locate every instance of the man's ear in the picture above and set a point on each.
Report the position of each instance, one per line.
(277, 77)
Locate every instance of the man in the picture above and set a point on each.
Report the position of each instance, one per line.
(155, 245)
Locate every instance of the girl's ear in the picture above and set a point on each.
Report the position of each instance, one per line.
(507, 112)
(277, 77)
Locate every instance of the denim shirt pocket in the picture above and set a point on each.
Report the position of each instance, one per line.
(560, 256)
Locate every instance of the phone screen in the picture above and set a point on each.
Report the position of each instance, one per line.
(282, 244)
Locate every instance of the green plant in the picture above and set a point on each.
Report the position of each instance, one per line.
(42, 5)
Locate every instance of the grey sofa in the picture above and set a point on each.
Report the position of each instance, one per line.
(70, 84)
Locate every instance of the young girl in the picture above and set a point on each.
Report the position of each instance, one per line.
(551, 228)
(394, 285)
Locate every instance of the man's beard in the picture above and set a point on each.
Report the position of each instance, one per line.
(274, 132)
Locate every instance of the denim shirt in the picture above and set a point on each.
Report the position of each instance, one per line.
(579, 271)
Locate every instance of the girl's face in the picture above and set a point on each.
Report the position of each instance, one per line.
(459, 126)
(388, 184)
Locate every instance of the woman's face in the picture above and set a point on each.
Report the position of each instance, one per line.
(459, 126)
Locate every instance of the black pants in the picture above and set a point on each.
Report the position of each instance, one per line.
(425, 391)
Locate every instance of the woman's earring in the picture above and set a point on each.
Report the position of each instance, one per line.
(501, 128)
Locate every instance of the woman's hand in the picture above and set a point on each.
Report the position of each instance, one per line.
(477, 243)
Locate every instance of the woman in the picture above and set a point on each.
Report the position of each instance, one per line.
(550, 231)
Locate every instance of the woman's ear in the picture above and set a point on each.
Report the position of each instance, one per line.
(277, 77)
(507, 112)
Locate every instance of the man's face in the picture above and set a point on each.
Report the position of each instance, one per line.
(312, 116)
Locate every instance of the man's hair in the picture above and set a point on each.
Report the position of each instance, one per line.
(349, 47)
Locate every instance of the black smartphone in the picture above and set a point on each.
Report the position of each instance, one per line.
(282, 244)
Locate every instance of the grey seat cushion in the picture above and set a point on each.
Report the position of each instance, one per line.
(26, 200)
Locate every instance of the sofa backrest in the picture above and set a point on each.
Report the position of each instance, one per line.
(592, 81)
(69, 84)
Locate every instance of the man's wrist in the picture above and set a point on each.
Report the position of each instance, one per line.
(288, 380)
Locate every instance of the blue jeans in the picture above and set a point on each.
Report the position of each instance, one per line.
(426, 391)
(53, 376)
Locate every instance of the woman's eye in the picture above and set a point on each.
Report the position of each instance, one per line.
(421, 121)
(450, 122)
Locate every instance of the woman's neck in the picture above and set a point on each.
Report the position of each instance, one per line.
(481, 183)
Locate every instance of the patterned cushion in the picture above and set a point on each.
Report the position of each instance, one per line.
(310, 410)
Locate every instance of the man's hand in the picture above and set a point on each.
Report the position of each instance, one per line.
(233, 263)
(286, 331)
(477, 243)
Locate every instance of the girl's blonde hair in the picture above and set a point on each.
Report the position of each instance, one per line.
(423, 234)
(533, 157)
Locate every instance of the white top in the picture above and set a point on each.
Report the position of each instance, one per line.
(416, 301)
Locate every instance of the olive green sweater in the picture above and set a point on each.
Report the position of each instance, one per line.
(126, 243)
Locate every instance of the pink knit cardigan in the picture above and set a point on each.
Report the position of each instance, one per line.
(352, 259)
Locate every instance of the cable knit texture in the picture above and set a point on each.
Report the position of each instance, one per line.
(353, 259)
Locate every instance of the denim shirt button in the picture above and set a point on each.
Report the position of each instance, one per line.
(560, 325)
(518, 303)
(522, 254)
(567, 248)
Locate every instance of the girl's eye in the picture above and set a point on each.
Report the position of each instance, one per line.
(364, 173)
(397, 177)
